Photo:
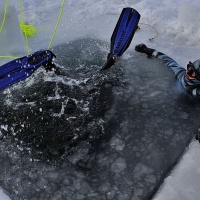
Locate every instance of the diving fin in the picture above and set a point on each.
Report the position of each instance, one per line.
(21, 68)
(122, 35)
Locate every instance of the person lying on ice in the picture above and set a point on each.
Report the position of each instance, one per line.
(190, 77)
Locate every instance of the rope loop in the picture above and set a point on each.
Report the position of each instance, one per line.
(151, 39)
(27, 29)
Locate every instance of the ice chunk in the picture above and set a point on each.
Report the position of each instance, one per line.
(105, 187)
(141, 170)
(42, 183)
(82, 186)
(117, 143)
(119, 165)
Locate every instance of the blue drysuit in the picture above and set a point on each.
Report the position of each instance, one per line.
(191, 86)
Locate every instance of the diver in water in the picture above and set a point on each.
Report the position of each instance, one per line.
(190, 77)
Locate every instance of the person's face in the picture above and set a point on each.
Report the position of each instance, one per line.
(190, 73)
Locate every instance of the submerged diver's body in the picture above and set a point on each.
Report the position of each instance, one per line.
(190, 77)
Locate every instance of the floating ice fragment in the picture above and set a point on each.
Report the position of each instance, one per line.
(52, 175)
(169, 132)
(105, 187)
(119, 165)
(42, 183)
(142, 170)
(184, 116)
(4, 127)
(150, 178)
(156, 93)
(117, 144)
(80, 196)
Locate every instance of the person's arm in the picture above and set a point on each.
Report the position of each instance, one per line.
(178, 70)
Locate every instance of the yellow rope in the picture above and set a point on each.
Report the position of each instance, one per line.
(21, 25)
(4, 16)
(57, 23)
(29, 30)
(21, 10)
(14, 57)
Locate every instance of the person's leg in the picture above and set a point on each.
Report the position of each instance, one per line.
(176, 68)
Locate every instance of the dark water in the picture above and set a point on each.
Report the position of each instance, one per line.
(90, 135)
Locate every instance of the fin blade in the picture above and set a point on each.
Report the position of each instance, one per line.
(124, 31)
(122, 35)
(15, 78)
(21, 68)
(10, 67)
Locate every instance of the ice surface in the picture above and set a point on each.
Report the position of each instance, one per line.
(11, 38)
(3, 194)
(183, 182)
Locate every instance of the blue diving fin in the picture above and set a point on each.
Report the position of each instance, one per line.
(122, 35)
(21, 68)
